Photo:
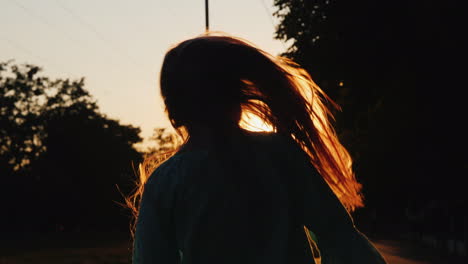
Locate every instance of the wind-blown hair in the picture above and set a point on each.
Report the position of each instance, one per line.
(212, 79)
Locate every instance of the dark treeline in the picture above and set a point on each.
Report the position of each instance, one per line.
(61, 159)
(394, 68)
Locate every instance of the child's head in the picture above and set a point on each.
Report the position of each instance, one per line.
(207, 80)
(212, 80)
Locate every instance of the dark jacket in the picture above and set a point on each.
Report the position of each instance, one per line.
(245, 203)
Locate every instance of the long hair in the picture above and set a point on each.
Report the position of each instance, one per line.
(212, 80)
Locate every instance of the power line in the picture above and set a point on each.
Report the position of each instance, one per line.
(81, 21)
(268, 13)
(51, 25)
(44, 20)
(270, 17)
(21, 48)
(98, 34)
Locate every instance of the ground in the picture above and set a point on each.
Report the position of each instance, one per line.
(404, 252)
(91, 251)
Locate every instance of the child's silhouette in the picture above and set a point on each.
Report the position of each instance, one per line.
(228, 195)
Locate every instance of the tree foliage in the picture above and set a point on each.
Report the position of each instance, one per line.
(388, 64)
(25, 100)
(334, 41)
(164, 141)
(60, 157)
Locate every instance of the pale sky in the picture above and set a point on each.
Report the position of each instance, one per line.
(118, 45)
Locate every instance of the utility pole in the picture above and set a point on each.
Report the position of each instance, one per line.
(207, 19)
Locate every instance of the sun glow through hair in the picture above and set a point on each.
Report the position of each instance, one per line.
(275, 94)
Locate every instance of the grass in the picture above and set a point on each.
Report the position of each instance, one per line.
(67, 248)
(115, 248)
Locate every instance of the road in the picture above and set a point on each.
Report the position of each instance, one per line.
(117, 251)
(409, 253)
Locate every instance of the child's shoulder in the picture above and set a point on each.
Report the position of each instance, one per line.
(177, 165)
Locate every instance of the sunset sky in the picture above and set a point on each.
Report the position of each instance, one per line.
(118, 45)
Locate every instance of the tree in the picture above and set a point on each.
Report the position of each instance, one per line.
(164, 140)
(335, 42)
(25, 98)
(20, 133)
(385, 63)
(60, 156)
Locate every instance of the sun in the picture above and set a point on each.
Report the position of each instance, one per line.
(254, 123)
